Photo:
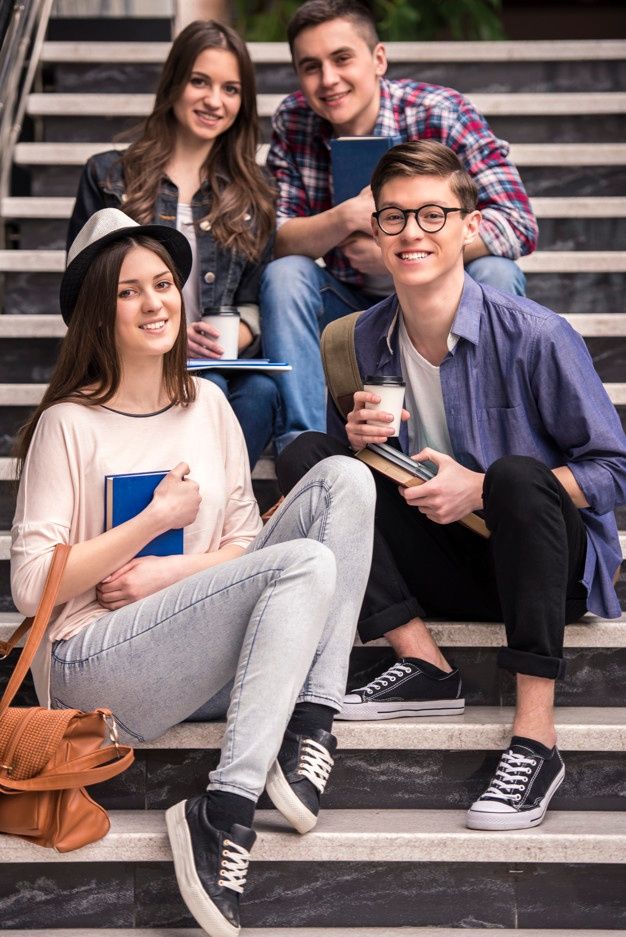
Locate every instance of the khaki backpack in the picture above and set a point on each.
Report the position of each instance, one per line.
(343, 377)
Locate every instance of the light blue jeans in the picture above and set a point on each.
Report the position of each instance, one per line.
(298, 299)
(279, 622)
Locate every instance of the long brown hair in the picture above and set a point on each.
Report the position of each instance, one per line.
(88, 357)
(239, 188)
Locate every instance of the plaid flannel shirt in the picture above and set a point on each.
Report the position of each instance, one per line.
(299, 159)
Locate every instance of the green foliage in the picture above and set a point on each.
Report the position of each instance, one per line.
(398, 20)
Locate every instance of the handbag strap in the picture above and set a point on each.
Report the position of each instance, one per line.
(36, 625)
(97, 766)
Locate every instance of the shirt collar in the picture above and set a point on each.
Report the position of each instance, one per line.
(466, 322)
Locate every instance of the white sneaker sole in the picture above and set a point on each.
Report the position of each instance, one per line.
(478, 819)
(374, 710)
(207, 914)
(286, 802)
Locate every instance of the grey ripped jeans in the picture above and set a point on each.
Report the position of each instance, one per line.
(279, 622)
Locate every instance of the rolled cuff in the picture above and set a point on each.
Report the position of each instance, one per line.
(534, 665)
(375, 626)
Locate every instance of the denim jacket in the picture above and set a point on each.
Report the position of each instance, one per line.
(226, 276)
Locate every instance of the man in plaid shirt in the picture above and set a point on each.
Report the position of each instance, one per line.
(341, 64)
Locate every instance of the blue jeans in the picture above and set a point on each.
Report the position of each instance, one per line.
(255, 398)
(298, 299)
(277, 623)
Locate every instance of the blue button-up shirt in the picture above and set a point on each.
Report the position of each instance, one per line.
(520, 381)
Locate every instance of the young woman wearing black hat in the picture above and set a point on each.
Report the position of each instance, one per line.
(158, 638)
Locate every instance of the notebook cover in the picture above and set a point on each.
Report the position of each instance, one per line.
(125, 496)
(353, 161)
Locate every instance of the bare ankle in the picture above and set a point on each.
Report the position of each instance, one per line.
(413, 639)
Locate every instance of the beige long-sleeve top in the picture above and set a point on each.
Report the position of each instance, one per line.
(61, 492)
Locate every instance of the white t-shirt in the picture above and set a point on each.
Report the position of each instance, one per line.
(61, 493)
(191, 289)
(423, 397)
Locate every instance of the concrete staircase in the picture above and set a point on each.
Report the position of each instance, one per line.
(390, 857)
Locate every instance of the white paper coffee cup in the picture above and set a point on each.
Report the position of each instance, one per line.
(390, 389)
(225, 320)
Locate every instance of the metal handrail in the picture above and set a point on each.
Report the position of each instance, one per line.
(26, 31)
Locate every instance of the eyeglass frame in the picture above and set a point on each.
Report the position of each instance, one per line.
(415, 212)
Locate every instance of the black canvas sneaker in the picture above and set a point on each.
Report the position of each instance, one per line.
(298, 777)
(411, 687)
(211, 866)
(526, 779)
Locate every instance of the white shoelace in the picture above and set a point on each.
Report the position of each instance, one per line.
(315, 763)
(234, 866)
(512, 774)
(389, 676)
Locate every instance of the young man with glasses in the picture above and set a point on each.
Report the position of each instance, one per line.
(340, 64)
(502, 395)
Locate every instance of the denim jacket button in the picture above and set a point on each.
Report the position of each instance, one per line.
(123, 198)
(205, 225)
(209, 277)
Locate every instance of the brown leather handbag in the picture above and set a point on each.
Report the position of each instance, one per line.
(47, 755)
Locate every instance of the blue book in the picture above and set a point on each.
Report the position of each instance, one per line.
(353, 161)
(236, 364)
(125, 496)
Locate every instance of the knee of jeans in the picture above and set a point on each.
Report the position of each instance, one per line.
(500, 272)
(513, 479)
(285, 275)
(347, 474)
(263, 389)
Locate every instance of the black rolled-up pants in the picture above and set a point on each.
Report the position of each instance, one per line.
(527, 574)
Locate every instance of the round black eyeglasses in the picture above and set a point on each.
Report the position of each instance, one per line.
(430, 218)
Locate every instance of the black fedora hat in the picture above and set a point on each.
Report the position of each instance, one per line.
(104, 227)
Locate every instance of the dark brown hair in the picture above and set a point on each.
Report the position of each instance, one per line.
(426, 158)
(88, 356)
(239, 188)
(316, 12)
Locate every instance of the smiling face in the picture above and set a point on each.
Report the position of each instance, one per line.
(415, 258)
(148, 309)
(211, 99)
(340, 75)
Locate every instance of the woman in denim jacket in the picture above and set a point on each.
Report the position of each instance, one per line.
(194, 168)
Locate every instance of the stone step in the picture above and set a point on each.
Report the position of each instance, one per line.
(272, 53)
(53, 261)
(314, 932)
(598, 325)
(59, 104)
(588, 632)
(522, 154)
(364, 836)
(15, 208)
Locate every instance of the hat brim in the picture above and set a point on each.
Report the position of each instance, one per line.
(174, 242)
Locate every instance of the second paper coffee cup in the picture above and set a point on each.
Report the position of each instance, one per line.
(390, 389)
(226, 320)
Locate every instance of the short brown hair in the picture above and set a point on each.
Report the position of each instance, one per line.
(426, 158)
(315, 12)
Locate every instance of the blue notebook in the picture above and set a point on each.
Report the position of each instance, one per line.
(236, 364)
(353, 161)
(125, 496)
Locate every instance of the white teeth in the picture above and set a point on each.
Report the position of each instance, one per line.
(415, 255)
(153, 326)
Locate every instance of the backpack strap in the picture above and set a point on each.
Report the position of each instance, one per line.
(343, 377)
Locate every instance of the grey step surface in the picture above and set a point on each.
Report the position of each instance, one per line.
(139, 105)
(316, 932)
(278, 52)
(364, 836)
(523, 154)
(53, 261)
(586, 207)
(52, 326)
